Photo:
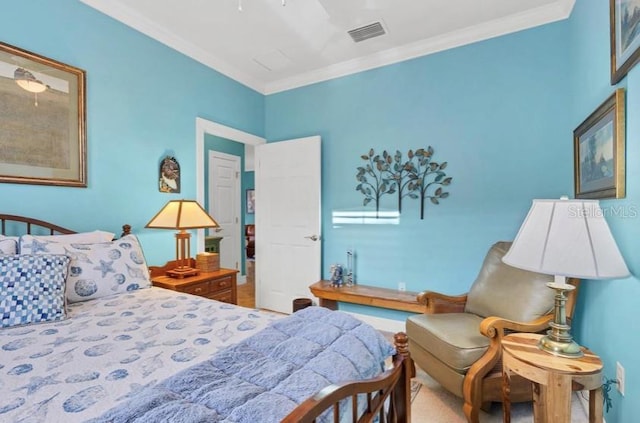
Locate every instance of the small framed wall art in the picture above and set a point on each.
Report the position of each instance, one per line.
(599, 151)
(251, 201)
(625, 37)
(169, 180)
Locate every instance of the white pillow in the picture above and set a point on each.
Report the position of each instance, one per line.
(8, 245)
(96, 269)
(84, 237)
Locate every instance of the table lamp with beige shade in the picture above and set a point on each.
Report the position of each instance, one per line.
(182, 215)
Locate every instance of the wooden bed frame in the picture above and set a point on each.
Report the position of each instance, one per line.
(387, 396)
(28, 223)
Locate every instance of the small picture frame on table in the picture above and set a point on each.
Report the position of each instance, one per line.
(599, 151)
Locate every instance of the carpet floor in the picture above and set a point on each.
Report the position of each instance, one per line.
(433, 404)
(415, 388)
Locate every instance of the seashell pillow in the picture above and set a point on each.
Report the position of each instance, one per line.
(96, 269)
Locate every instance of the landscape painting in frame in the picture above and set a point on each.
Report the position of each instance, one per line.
(625, 37)
(42, 120)
(599, 149)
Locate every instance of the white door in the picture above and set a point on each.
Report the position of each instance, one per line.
(224, 205)
(288, 246)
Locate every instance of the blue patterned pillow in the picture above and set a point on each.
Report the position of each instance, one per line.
(97, 269)
(32, 288)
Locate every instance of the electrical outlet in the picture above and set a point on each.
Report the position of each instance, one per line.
(620, 377)
(402, 286)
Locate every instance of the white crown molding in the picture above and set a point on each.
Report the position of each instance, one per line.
(535, 17)
(556, 11)
(129, 17)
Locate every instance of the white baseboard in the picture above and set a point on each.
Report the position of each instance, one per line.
(379, 323)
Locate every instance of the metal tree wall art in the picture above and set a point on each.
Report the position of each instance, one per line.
(400, 173)
(378, 185)
(425, 174)
(417, 178)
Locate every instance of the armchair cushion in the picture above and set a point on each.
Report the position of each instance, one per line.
(453, 338)
(507, 292)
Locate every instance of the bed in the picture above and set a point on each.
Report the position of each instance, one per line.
(120, 348)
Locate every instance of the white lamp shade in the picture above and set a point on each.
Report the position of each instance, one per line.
(567, 238)
(182, 214)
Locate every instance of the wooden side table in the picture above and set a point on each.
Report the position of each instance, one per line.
(552, 378)
(220, 285)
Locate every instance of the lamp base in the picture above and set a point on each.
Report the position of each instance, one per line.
(569, 349)
(181, 272)
(558, 340)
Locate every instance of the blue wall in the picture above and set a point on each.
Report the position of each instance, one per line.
(142, 101)
(607, 309)
(496, 111)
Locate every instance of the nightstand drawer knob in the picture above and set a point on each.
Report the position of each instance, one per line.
(198, 290)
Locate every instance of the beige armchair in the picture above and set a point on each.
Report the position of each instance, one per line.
(457, 340)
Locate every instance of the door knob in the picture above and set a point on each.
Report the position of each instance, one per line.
(313, 237)
(218, 229)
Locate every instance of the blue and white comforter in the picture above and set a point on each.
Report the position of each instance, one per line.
(110, 348)
(264, 377)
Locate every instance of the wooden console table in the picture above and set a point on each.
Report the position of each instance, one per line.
(366, 295)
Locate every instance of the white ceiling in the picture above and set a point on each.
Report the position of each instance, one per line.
(270, 47)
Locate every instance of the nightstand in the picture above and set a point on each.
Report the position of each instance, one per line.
(220, 285)
(553, 378)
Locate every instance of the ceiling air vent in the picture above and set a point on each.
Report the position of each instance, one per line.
(368, 31)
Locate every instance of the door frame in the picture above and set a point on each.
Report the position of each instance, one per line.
(203, 127)
(237, 204)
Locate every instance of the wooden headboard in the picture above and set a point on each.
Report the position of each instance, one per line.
(28, 223)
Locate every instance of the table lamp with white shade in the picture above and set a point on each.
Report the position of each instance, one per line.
(566, 238)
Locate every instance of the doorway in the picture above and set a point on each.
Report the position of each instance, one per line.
(204, 127)
(288, 210)
(224, 206)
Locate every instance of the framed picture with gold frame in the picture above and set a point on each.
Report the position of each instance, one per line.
(625, 37)
(599, 151)
(43, 138)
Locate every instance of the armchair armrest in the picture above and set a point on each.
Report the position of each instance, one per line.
(495, 327)
(436, 302)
